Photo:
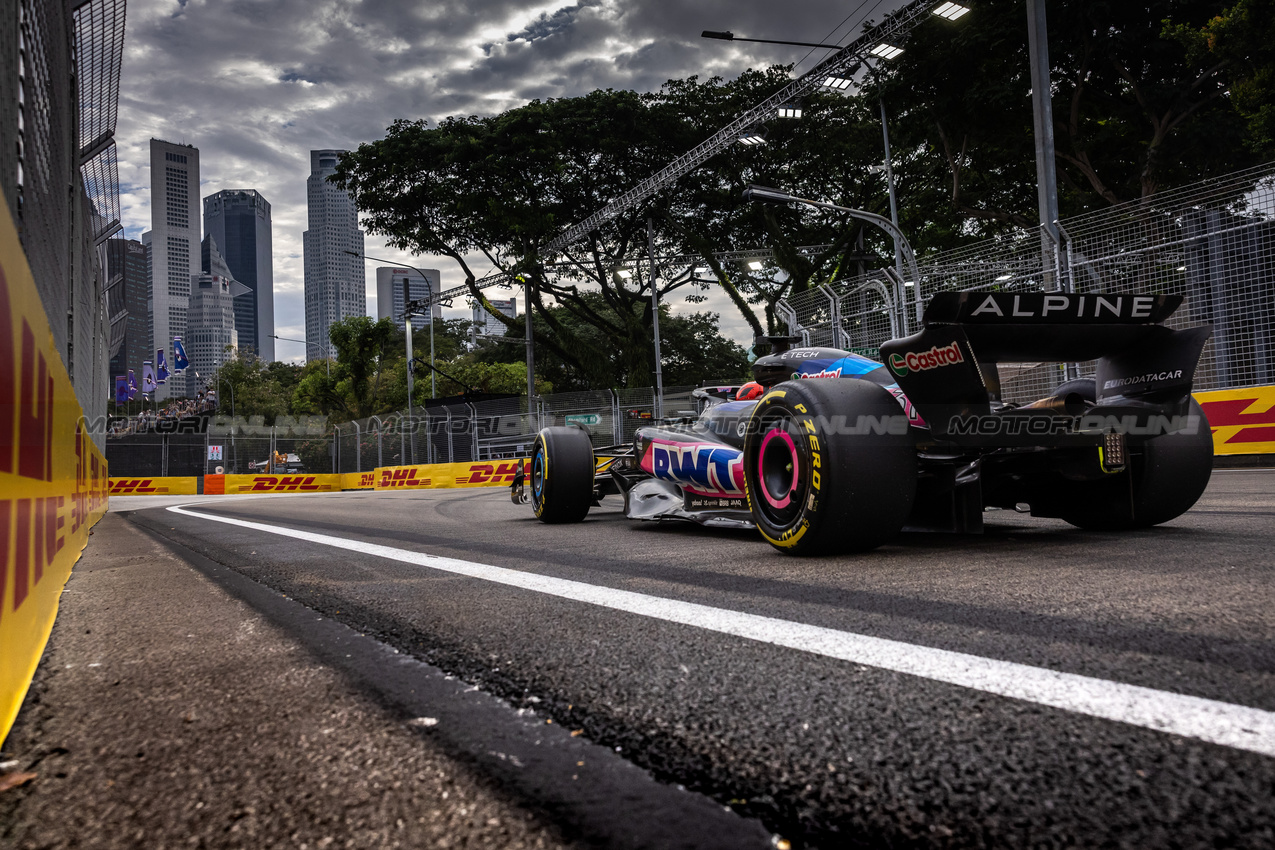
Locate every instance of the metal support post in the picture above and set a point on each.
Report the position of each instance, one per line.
(358, 449)
(531, 351)
(655, 320)
(1043, 118)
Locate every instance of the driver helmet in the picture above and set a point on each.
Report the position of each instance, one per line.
(749, 391)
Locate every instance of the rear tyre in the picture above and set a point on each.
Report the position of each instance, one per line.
(829, 466)
(561, 475)
(1166, 475)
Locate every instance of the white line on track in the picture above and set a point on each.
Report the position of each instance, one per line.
(1230, 725)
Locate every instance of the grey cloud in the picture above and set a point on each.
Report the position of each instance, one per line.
(256, 84)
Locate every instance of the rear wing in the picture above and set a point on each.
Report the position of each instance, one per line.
(949, 372)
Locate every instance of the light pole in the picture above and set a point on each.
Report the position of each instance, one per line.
(768, 195)
(433, 387)
(326, 360)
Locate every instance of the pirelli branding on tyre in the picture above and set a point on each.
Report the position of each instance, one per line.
(53, 479)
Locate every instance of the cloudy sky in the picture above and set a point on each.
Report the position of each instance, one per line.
(257, 84)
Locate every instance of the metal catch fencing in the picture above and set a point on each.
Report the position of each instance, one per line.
(451, 433)
(1213, 242)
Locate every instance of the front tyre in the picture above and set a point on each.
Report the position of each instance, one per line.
(561, 475)
(829, 466)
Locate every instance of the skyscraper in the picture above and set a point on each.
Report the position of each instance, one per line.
(127, 259)
(174, 245)
(239, 222)
(334, 283)
(211, 336)
(395, 287)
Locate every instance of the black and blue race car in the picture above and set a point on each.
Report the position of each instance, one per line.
(838, 452)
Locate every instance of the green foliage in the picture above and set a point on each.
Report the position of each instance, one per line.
(363, 380)
(691, 351)
(257, 388)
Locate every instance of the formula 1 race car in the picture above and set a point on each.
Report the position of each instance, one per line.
(841, 452)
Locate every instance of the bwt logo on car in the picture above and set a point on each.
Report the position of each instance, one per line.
(402, 477)
(275, 484)
(922, 361)
(133, 486)
(716, 470)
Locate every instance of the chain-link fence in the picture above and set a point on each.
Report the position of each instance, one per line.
(460, 432)
(1213, 242)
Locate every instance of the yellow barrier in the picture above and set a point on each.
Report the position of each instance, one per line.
(485, 473)
(358, 480)
(1243, 421)
(184, 486)
(282, 483)
(52, 477)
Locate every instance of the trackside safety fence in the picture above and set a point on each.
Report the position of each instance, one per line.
(1213, 242)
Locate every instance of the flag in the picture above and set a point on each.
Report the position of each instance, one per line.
(132, 385)
(121, 389)
(161, 366)
(179, 356)
(148, 378)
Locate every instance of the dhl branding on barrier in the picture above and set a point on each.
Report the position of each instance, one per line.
(1243, 421)
(53, 481)
(282, 483)
(358, 481)
(488, 473)
(174, 486)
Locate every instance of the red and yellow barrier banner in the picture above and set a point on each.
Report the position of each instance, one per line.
(166, 486)
(53, 481)
(358, 480)
(1243, 421)
(479, 473)
(282, 483)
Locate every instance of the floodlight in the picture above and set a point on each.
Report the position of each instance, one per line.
(625, 273)
(886, 51)
(755, 265)
(790, 110)
(1004, 277)
(752, 136)
(766, 195)
(838, 83)
(951, 11)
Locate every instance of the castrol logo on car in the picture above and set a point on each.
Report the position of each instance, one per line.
(923, 361)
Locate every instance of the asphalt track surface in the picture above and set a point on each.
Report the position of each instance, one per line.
(823, 751)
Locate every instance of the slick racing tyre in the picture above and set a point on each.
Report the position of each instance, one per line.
(1166, 475)
(829, 466)
(561, 475)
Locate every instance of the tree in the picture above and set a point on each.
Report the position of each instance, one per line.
(364, 381)
(1133, 113)
(258, 388)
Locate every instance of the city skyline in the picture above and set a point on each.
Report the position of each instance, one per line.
(345, 75)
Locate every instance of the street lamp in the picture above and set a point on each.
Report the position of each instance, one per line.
(433, 387)
(327, 360)
(766, 194)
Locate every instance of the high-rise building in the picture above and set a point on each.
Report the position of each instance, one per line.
(334, 281)
(239, 222)
(126, 259)
(395, 287)
(174, 245)
(487, 325)
(211, 337)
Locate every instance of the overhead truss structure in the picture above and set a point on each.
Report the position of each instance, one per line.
(840, 65)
